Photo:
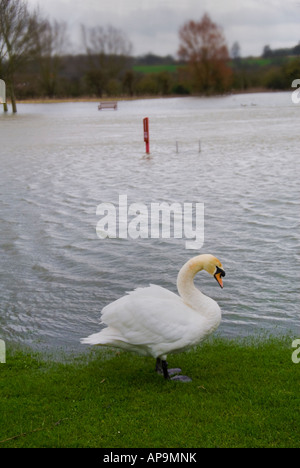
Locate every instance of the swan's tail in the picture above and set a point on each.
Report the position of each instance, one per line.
(111, 337)
(92, 339)
(106, 337)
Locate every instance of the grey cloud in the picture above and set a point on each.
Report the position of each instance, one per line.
(152, 25)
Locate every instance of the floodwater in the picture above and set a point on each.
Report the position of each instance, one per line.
(60, 161)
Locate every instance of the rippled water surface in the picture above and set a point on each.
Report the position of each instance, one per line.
(60, 161)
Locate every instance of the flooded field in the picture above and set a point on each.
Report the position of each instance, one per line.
(60, 161)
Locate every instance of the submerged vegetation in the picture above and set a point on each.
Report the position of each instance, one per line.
(243, 394)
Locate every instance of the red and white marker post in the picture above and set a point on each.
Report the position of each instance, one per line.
(146, 134)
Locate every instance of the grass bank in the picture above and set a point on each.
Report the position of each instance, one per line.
(243, 394)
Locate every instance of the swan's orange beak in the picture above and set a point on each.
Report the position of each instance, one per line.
(218, 275)
(219, 279)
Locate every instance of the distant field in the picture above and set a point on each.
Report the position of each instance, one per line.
(263, 62)
(244, 62)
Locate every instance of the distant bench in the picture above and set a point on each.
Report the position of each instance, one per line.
(108, 105)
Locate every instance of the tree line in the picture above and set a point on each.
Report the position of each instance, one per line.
(34, 64)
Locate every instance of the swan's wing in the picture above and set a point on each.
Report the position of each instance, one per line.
(149, 315)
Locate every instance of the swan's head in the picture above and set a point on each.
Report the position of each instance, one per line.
(212, 265)
(215, 268)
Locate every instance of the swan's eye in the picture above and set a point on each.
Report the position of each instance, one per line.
(220, 271)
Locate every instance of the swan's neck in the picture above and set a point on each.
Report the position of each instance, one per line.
(185, 284)
(191, 296)
(186, 288)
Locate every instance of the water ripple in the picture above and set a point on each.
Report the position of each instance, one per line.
(57, 166)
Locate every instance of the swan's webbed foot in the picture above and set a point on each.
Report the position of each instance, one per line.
(162, 368)
(181, 378)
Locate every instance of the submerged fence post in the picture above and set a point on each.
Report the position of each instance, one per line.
(177, 146)
(146, 134)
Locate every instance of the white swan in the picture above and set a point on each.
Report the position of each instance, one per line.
(154, 321)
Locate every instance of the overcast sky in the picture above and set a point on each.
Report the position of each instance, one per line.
(152, 25)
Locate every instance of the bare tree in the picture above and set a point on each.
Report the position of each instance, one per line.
(203, 46)
(16, 40)
(51, 42)
(108, 50)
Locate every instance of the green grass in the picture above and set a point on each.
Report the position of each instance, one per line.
(243, 394)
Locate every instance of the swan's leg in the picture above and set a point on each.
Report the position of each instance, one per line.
(165, 370)
(158, 366)
(162, 368)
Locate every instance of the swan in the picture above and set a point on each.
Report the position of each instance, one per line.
(154, 321)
